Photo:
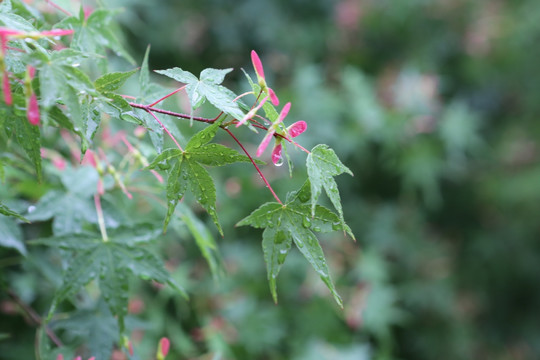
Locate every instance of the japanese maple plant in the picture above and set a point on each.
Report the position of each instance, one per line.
(56, 82)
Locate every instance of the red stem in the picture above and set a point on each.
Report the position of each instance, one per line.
(254, 164)
(59, 8)
(166, 96)
(256, 124)
(164, 128)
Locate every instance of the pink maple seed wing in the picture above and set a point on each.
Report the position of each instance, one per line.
(265, 142)
(273, 97)
(297, 128)
(257, 64)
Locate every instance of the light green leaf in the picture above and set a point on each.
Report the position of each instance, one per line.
(322, 165)
(112, 81)
(207, 88)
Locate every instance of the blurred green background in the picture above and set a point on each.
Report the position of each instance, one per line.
(433, 104)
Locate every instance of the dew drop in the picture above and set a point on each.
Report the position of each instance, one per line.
(300, 244)
(279, 162)
(76, 65)
(306, 222)
(31, 208)
(317, 229)
(336, 226)
(282, 255)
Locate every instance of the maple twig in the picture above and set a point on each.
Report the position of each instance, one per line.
(254, 164)
(164, 128)
(166, 96)
(149, 108)
(35, 318)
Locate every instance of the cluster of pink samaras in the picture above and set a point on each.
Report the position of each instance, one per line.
(32, 107)
(292, 131)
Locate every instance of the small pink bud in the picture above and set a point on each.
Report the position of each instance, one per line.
(31, 71)
(130, 346)
(257, 64)
(7, 89)
(59, 357)
(164, 345)
(78, 358)
(59, 163)
(297, 128)
(276, 154)
(92, 358)
(139, 131)
(33, 110)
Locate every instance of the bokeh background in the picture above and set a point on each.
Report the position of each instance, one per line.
(433, 104)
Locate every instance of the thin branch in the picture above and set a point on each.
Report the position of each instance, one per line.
(254, 164)
(171, 113)
(166, 96)
(35, 317)
(59, 8)
(164, 128)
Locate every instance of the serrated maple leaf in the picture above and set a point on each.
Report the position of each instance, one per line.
(187, 171)
(322, 165)
(112, 262)
(294, 222)
(207, 87)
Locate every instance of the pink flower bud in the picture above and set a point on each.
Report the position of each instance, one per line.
(78, 358)
(33, 110)
(164, 345)
(297, 128)
(60, 357)
(92, 358)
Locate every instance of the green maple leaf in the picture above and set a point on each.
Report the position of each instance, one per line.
(111, 262)
(71, 208)
(187, 171)
(25, 134)
(295, 223)
(207, 87)
(94, 34)
(322, 165)
(13, 21)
